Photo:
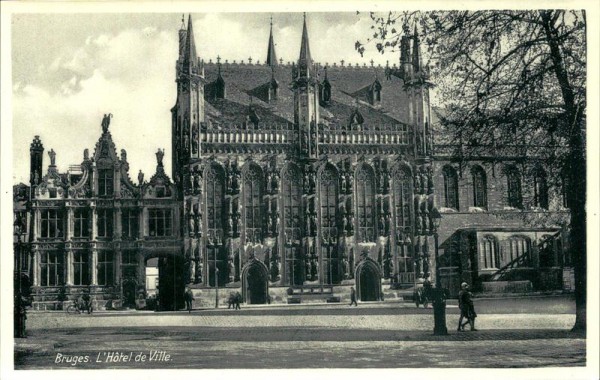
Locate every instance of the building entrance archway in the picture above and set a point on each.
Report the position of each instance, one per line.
(368, 280)
(255, 279)
(170, 286)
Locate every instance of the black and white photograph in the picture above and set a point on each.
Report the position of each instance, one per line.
(288, 186)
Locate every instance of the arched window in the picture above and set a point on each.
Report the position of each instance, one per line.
(488, 251)
(450, 187)
(292, 224)
(479, 187)
(328, 185)
(253, 204)
(215, 214)
(402, 195)
(365, 199)
(540, 189)
(513, 182)
(518, 249)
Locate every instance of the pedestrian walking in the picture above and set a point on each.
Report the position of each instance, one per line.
(238, 300)
(189, 297)
(467, 309)
(353, 296)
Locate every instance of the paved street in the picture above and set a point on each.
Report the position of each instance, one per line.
(317, 336)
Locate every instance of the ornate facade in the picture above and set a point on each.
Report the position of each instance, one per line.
(292, 181)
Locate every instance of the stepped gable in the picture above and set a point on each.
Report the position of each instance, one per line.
(246, 80)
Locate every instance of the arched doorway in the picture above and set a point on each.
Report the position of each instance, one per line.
(368, 281)
(170, 284)
(256, 283)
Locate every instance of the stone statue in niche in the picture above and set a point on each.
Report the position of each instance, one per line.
(277, 221)
(429, 180)
(306, 182)
(350, 180)
(343, 182)
(235, 177)
(275, 182)
(140, 178)
(195, 139)
(192, 225)
(346, 266)
(270, 224)
(344, 219)
(423, 175)
(197, 182)
(350, 224)
(123, 155)
(269, 181)
(230, 230)
(191, 184)
(417, 183)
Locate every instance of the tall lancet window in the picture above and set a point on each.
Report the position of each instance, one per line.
(292, 223)
(402, 215)
(365, 199)
(328, 185)
(514, 195)
(214, 178)
(252, 204)
(450, 188)
(215, 197)
(479, 187)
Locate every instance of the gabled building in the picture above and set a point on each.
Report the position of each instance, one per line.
(291, 183)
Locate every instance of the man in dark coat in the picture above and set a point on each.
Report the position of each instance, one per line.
(353, 296)
(467, 309)
(238, 300)
(189, 297)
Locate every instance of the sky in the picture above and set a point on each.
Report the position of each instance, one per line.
(68, 70)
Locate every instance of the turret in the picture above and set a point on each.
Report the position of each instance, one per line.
(188, 112)
(306, 99)
(36, 154)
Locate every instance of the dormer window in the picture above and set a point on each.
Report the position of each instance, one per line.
(325, 88)
(375, 92)
(273, 89)
(356, 120)
(253, 117)
(220, 88)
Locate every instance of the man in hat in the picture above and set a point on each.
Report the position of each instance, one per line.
(467, 309)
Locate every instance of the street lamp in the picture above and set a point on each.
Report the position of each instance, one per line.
(439, 294)
(217, 286)
(20, 314)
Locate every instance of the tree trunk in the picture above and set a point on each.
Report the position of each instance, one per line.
(576, 188)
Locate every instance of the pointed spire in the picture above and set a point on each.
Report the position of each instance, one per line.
(305, 58)
(190, 56)
(416, 53)
(271, 56)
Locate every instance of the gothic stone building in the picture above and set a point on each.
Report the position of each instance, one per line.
(291, 183)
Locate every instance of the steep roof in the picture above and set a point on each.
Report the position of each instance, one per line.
(347, 85)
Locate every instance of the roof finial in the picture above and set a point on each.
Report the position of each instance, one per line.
(271, 21)
(182, 21)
